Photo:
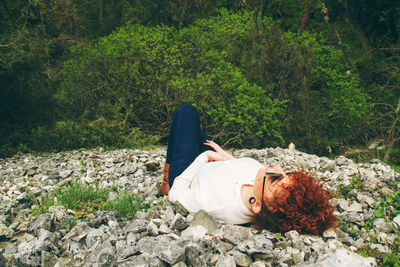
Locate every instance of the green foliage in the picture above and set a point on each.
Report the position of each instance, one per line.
(381, 210)
(141, 75)
(125, 204)
(85, 200)
(100, 132)
(384, 259)
(335, 106)
(42, 206)
(344, 190)
(80, 197)
(75, 73)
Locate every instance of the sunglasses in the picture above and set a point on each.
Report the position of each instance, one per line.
(275, 177)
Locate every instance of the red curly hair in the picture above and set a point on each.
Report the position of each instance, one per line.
(303, 205)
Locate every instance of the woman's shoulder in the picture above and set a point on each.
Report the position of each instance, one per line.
(248, 160)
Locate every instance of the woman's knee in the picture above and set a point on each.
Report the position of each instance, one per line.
(188, 109)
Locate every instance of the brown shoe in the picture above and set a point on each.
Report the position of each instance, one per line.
(164, 188)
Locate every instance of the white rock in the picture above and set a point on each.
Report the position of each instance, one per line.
(355, 206)
(340, 258)
(396, 221)
(194, 232)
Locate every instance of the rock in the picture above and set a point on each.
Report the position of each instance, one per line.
(292, 146)
(4, 231)
(137, 226)
(204, 219)
(352, 216)
(179, 222)
(396, 221)
(164, 229)
(94, 237)
(152, 229)
(180, 264)
(340, 258)
(356, 207)
(292, 235)
(181, 209)
(359, 243)
(241, 259)
(256, 244)
(298, 257)
(29, 253)
(258, 264)
(169, 214)
(236, 234)
(155, 262)
(161, 236)
(127, 251)
(342, 204)
(380, 225)
(44, 221)
(380, 248)
(226, 261)
(77, 232)
(195, 232)
(103, 255)
(25, 198)
(171, 253)
(137, 261)
(330, 233)
(47, 259)
(196, 256)
(103, 217)
(147, 244)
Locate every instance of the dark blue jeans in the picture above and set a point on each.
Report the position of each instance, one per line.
(185, 142)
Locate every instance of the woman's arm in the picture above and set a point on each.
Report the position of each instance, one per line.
(180, 190)
(219, 154)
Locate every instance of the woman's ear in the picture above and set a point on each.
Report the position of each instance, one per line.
(257, 207)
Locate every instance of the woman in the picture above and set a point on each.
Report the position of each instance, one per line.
(204, 176)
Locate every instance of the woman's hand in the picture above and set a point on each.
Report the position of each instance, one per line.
(219, 154)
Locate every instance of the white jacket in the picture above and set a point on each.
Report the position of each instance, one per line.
(215, 187)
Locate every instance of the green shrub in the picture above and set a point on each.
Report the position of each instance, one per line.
(68, 135)
(80, 197)
(84, 200)
(140, 76)
(125, 204)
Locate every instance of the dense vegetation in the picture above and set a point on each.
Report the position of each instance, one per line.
(323, 74)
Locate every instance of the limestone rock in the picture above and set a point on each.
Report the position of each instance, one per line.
(204, 219)
(166, 234)
(226, 261)
(341, 258)
(235, 233)
(256, 244)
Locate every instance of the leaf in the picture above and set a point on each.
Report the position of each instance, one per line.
(379, 213)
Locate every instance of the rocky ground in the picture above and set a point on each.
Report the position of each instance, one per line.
(166, 235)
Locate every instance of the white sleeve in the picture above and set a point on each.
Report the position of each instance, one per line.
(181, 189)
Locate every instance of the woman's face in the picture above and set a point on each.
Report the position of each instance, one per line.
(267, 188)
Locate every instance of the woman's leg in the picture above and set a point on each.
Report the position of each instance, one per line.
(185, 142)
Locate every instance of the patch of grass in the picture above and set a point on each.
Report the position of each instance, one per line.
(384, 259)
(84, 200)
(392, 258)
(81, 198)
(343, 190)
(125, 204)
(41, 206)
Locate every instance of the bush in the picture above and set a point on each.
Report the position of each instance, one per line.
(86, 199)
(326, 103)
(141, 75)
(67, 135)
